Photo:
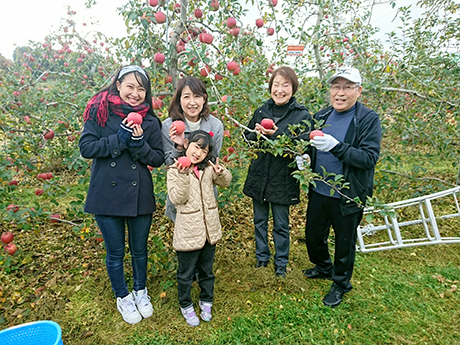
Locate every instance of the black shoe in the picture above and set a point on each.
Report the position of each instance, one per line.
(334, 296)
(314, 273)
(261, 264)
(280, 271)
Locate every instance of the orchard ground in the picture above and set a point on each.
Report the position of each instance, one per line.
(406, 296)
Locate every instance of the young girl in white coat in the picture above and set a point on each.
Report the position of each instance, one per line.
(197, 227)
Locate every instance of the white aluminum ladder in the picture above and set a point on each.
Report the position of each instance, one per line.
(392, 226)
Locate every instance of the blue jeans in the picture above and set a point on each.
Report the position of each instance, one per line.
(113, 231)
(280, 231)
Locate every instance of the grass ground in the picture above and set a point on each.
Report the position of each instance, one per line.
(405, 296)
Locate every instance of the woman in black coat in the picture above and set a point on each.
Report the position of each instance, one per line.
(269, 182)
(121, 188)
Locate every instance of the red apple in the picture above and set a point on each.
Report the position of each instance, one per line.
(7, 237)
(209, 38)
(157, 103)
(224, 98)
(12, 207)
(231, 149)
(39, 191)
(11, 248)
(270, 31)
(267, 123)
(214, 5)
(235, 32)
(168, 80)
(26, 119)
(231, 22)
(273, 2)
(198, 13)
(55, 215)
(135, 117)
(13, 182)
(159, 58)
(232, 65)
(218, 77)
(160, 17)
(49, 176)
(48, 134)
(204, 72)
(316, 133)
(259, 23)
(153, 3)
(184, 161)
(71, 138)
(180, 126)
(226, 159)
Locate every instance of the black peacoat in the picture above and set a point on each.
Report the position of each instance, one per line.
(269, 177)
(121, 183)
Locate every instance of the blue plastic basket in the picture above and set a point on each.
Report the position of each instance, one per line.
(32, 333)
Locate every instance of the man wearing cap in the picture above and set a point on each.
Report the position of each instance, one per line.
(350, 147)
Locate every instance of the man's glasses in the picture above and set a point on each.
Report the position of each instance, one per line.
(346, 88)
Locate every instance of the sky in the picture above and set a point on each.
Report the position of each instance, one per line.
(21, 21)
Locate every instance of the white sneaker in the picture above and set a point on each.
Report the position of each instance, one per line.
(142, 300)
(190, 316)
(206, 311)
(128, 310)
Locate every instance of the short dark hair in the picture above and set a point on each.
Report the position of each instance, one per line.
(289, 74)
(197, 87)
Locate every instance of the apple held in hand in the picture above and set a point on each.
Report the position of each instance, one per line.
(184, 161)
(180, 126)
(11, 248)
(316, 133)
(135, 117)
(7, 237)
(267, 123)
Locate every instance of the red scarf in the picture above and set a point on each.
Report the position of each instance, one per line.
(98, 106)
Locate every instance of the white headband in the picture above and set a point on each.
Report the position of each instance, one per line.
(132, 68)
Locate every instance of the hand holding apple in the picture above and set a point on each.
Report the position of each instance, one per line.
(183, 163)
(267, 123)
(316, 133)
(176, 134)
(264, 131)
(135, 118)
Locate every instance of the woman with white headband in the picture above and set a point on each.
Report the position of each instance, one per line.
(120, 193)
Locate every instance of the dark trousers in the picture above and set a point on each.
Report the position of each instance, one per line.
(203, 259)
(280, 231)
(113, 230)
(322, 212)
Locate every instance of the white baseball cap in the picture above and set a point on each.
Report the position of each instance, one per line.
(349, 73)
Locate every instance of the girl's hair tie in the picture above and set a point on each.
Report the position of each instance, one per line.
(211, 134)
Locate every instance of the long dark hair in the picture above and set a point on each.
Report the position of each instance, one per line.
(203, 139)
(198, 88)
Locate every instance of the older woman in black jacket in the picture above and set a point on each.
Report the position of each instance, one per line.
(269, 182)
(121, 189)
